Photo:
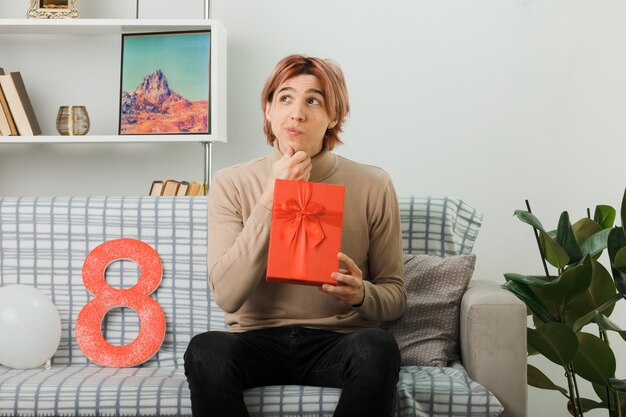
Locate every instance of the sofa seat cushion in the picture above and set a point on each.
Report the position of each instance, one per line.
(428, 391)
(291, 401)
(423, 391)
(95, 391)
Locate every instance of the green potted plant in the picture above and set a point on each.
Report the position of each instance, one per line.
(571, 305)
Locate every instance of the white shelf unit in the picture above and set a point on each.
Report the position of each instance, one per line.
(80, 28)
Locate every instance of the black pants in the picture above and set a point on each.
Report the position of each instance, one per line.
(365, 364)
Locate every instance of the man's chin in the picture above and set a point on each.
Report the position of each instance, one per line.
(282, 146)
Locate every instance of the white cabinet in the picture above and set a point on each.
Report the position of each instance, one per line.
(78, 62)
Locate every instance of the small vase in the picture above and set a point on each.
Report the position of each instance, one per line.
(72, 121)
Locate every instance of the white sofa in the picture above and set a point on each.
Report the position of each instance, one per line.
(44, 241)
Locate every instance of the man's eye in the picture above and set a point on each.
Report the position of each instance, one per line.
(314, 101)
(284, 98)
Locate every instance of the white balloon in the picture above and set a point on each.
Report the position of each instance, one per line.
(30, 327)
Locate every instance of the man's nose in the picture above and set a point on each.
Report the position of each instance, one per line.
(297, 112)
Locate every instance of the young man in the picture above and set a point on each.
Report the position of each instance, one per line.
(292, 334)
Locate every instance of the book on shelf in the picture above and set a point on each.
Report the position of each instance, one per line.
(7, 125)
(195, 188)
(156, 188)
(182, 188)
(19, 104)
(176, 188)
(5, 129)
(170, 188)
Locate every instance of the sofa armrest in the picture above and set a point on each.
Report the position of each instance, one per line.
(493, 343)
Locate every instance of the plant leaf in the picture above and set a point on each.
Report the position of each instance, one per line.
(616, 242)
(601, 289)
(538, 379)
(551, 307)
(532, 280)
(584, 320)
(572, 283)
(594, 360)
(618, 384)
(589, 405)
(600, 391)
(604, 323)
(623, 212)
(552, 251)
(586, 404)
(533, 303)
(555, 341)
(604, 216)
(596, 243)
(619, 262)
(529, 218)
(566, 239)
(584, 228)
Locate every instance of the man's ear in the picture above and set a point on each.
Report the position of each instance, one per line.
(332, 124)
(268, 106)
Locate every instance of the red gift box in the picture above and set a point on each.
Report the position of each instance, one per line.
(305, 235)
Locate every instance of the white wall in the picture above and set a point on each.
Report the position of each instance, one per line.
(492, 101)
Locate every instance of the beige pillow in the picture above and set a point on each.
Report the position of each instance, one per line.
(428, 331)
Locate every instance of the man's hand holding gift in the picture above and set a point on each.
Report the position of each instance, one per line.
(349, 288)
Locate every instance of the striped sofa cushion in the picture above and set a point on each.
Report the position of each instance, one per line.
(44, 241)
(81, 390)
(440, 226)
(423, 391)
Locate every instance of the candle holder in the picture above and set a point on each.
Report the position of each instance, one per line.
(72, 121)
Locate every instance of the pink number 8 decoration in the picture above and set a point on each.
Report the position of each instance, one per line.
(151, 318)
